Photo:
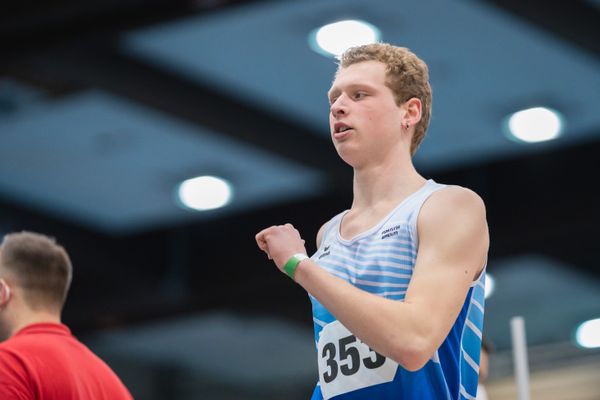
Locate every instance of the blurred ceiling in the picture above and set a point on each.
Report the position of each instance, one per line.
(106, 105)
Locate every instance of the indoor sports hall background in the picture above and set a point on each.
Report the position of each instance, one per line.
(107, 107)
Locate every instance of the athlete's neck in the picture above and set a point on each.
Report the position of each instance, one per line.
(385, 184)
(35, 319)
(26, 317)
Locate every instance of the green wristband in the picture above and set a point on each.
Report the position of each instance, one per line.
(291, 265)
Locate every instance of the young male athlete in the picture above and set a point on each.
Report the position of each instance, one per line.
(40, 359)
(397, 282)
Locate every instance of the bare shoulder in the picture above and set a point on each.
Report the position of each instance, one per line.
(452, 226)
(323, 227)
(453, 206)
(320, 234)
(454, 199)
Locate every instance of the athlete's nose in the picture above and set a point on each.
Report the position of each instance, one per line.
(338, 107)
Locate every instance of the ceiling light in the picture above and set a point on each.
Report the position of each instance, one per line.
(489, 285)
(588, 334)
(536, 124)
(335, 38)
(204, 193)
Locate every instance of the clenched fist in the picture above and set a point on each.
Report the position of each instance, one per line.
(280, 242)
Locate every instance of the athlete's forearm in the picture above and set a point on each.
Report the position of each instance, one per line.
(394, 329)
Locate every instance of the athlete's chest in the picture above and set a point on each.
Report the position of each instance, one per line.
(356, 224)
(379, 262)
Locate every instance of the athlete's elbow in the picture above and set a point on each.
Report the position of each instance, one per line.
(414, 356)
(414, 363)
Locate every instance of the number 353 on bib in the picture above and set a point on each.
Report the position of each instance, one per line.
(347, 364)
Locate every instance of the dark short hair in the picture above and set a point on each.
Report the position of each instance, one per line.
(38, 265)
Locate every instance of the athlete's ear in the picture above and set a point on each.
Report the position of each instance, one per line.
(4, 293)
(414, 108)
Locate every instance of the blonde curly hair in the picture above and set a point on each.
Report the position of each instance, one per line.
(407, 77)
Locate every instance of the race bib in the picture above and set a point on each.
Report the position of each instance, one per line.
(347, 364)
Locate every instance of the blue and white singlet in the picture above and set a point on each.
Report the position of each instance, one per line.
(381, 261)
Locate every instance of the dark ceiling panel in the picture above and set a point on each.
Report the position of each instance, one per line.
(34, 24)
(577, 21)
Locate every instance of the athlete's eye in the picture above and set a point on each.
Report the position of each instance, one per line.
(359, 95)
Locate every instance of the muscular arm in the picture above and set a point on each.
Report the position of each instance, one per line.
(453, 243)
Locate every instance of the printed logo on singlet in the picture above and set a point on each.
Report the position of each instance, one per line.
(326, 252)
(390, 232)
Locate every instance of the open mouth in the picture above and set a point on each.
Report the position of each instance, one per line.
(340, 129)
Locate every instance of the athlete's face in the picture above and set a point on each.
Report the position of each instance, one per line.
(364, 120)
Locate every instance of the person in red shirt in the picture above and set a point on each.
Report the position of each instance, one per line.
(40, 358)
